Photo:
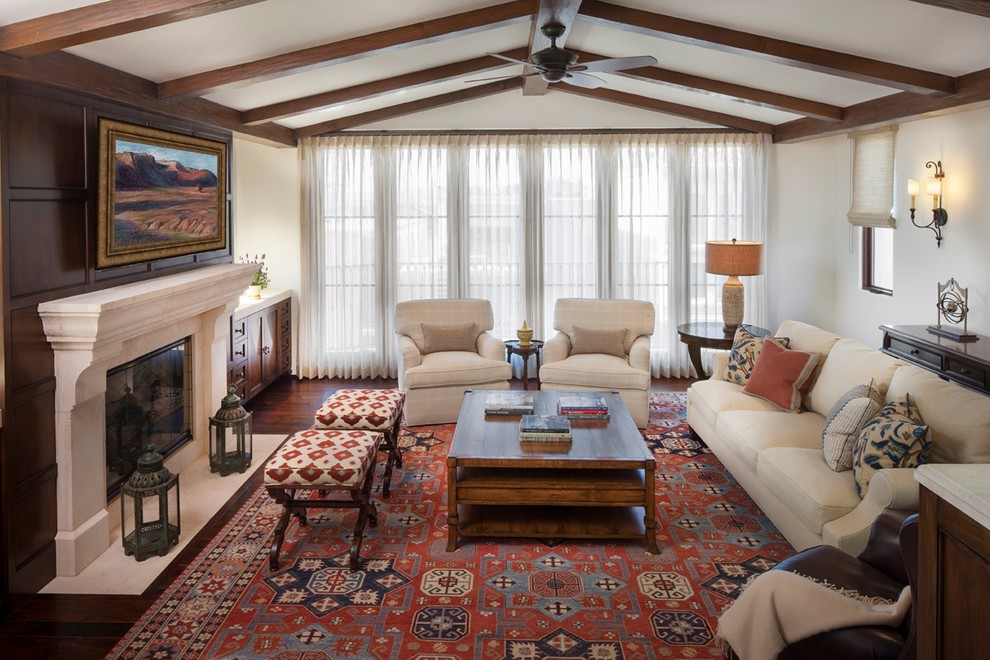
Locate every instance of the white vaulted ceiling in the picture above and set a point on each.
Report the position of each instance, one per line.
(700, 85)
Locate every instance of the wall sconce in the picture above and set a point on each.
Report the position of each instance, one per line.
(933, 188)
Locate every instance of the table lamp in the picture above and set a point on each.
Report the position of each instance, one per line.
(733, 258)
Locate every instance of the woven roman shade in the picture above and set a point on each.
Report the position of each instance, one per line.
(873, 178)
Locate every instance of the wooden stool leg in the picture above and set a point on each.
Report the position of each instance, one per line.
(285, 499)
(392, 438)
(366, 511)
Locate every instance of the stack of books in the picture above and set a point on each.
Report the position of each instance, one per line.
(544, 428)
(509, 404)
(581, 405)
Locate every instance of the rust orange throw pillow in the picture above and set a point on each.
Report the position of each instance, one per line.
(781, 376)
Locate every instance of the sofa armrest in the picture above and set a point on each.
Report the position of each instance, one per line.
(490, 347)
(410, 357)
(556, 348)
(720, 363)
(639, 353)
(892, 490)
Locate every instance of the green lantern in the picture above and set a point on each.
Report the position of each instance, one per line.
(151, 490)
(230, 436)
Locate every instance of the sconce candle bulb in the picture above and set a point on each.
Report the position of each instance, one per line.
(933, 188)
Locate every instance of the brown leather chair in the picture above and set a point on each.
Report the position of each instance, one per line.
(887, 564)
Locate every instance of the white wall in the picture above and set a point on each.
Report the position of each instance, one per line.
(810, 196)
(266, 209)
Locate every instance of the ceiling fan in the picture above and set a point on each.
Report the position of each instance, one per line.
(555, 64)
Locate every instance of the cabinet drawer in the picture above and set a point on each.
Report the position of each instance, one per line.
(238, 330)
(966, 372)
(240, 351)
(238, 373)
(916, 354)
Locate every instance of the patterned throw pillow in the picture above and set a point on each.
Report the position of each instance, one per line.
(781, 376)
(896, 437)
(844, 422)
(742, 358)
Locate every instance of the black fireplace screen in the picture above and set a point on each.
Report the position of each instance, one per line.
(148, 401)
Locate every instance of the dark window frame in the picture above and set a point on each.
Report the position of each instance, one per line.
(867, 265)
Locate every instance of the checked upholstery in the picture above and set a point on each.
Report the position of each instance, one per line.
(320, 458)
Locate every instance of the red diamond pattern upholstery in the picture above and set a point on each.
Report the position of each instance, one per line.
(375, 410)
(322, 458)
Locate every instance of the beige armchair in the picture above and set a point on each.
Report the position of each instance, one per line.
(602, 345)
(446, 348)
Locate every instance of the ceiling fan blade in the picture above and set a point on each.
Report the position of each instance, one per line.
(511, 59)
(579, 79)
(524, 75)
(616, 64)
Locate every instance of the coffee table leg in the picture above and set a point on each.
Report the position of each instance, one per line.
(650, 518)
(451, 504)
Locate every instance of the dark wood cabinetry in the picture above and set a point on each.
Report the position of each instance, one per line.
(260, 345)
(966, 363)
(954, 580)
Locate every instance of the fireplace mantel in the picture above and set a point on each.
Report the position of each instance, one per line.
(94, 332)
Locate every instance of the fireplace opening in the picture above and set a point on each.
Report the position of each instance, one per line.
(149, 401)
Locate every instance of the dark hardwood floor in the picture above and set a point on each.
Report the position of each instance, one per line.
(82, 627)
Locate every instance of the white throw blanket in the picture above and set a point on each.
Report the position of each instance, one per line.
(780, 607)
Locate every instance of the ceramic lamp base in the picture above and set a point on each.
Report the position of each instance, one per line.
(732, 304)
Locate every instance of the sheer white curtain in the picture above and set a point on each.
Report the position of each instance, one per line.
(520, 221)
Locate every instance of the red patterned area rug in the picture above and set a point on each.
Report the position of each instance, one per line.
(520, 599)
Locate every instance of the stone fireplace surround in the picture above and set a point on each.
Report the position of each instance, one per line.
(94, 332)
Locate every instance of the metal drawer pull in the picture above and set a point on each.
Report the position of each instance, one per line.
(915, 351)
(964, 371)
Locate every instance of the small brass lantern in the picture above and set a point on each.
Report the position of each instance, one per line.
(230, 436)
(149, 490)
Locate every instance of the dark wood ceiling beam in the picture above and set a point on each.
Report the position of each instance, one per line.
(977, 7)
(82, 25)
(766, 48)
(412, 107)
(348, 50)
(741, 93)
(676, 109)
(412, 80)
(974, 88)
(551, 11)
(66, 71)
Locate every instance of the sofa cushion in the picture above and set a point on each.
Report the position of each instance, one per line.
(780, 375)
(745, 350)
(959, 418)
(456, 368)
(748, 432)
(608, 342)
(848, 364)
(814, 492)
(709, 398)
(602, 371)
(844, 422)
(804, 337)
(896, 437)
(440, 338)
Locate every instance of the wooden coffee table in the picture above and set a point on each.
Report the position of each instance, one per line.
(600, 486)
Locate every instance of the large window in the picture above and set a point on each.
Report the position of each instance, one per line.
(520, 221)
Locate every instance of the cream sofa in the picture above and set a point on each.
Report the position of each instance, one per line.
(777, 456)
(435, 382)
(628, 375)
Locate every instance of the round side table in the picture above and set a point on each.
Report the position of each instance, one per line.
(710, 334)
(512, 347)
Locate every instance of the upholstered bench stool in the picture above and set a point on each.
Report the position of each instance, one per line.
(372, 410)
(325, 461)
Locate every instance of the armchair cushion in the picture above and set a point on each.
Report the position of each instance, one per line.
(438, 338)
(456, 368)
(609, 342)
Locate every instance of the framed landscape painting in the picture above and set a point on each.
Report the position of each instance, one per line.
(162, 194)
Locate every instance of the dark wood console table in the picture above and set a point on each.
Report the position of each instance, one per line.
(965, 363)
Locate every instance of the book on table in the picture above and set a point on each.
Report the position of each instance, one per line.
(544, 428)
(582, 405)
(509, 403)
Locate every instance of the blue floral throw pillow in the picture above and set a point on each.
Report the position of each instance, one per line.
(896, 438)
(746, 348)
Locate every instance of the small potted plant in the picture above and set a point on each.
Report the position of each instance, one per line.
(260, 279)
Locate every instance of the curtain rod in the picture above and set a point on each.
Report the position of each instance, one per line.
(561, 131)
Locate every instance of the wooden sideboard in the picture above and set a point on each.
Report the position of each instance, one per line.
(260, 343)
(965, 363)
(953, 561)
